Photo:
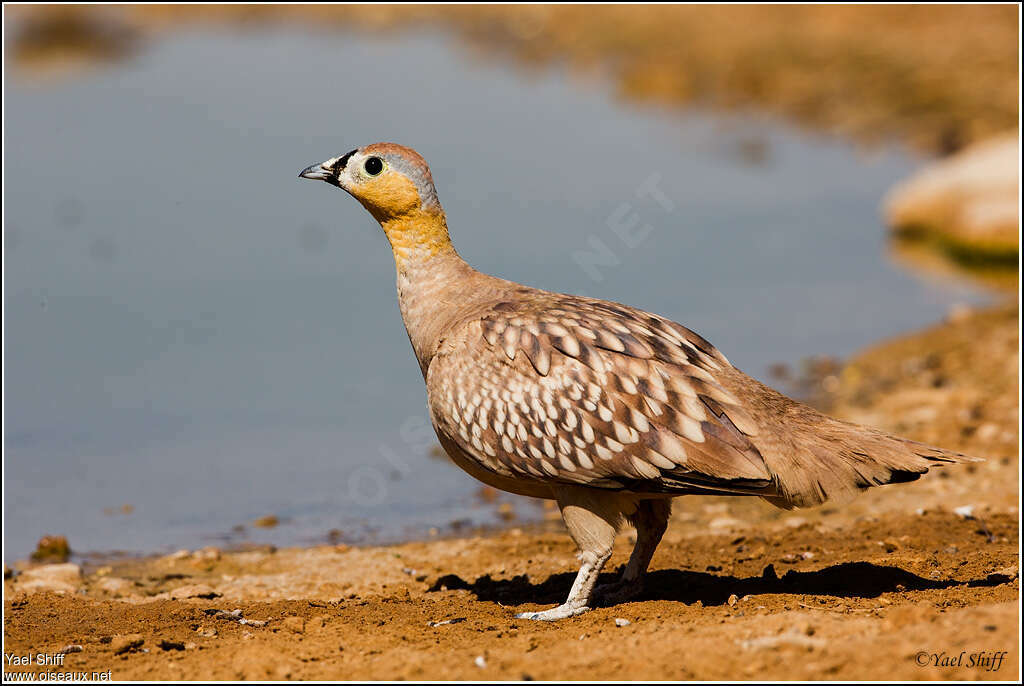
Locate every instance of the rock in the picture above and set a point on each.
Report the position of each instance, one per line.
(164, 644)
(72, 648)
(296, 625)
(619, 621)
(444, 622)
(964, 511)
(123, 643)
(266, 522)
(207, 554)
(733, 600)
(116, 586)
(193, 591)
(58, 578)
(206, 632)
(967, 201)
(52, 549)
(480, 661)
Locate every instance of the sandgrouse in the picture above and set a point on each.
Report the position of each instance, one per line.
(608, 410)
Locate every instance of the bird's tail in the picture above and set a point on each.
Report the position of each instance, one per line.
(838, 460)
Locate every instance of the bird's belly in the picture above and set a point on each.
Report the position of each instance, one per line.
(502, 483)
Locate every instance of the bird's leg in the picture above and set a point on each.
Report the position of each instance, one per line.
(592, 523)
(650, 520)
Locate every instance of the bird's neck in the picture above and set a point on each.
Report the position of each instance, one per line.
(417, 235)
(435, 285)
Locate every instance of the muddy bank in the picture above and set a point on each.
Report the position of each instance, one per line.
(937, 77)
(895, 586)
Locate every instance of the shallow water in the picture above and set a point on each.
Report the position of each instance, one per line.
(192, 330)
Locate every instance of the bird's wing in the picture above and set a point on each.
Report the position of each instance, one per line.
(580, 391)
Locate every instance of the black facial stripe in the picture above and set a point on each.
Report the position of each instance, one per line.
(342, 161)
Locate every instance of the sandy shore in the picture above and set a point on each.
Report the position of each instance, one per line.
(884, 588)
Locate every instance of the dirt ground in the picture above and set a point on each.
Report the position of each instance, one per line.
(917, 581)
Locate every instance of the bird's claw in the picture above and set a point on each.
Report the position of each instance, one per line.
(555, 613)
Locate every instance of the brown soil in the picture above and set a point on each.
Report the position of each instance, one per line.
(935, 76)
(739, 590)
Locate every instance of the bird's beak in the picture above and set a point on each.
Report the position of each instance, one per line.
(319, 172)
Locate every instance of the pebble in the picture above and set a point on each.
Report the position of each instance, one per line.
(480, 661)
(52, 549)
(193, 591)
(116, 586)
(253, 622)
(443, 622)
(964, 511)
(207, 554)
(59, 578)
(206, 632)
(733, 600)
(620, 621)
(266, 522)
(73, 648)
(123, 643)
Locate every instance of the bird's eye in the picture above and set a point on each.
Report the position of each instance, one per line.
(373, 166)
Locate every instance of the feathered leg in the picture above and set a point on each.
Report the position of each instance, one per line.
(593, 519)
(650, 520)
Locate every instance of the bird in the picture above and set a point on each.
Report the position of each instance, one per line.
(606, 409)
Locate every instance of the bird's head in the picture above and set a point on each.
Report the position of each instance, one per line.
(394, 184)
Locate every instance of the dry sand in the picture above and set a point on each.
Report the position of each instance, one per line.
(884, 588)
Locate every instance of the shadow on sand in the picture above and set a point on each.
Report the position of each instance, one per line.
(845, 580)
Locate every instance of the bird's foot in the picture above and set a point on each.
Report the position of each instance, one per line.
(561, 612)
(618, 592)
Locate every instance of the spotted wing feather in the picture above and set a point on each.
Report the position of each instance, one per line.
(580, 391)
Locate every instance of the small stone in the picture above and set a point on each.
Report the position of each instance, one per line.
(297, 625)
(206, 632)
(620, 621)
(733, 600)
(480, 661)
(123, 643)
(964, 511)
(58, 578)
(193, 591)
(266, 522)
(73, 648)
(52, 549)
(207, 554)
(987, 431)
(116, 586)
(253, 622)
(807, 555)
(164, 644)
